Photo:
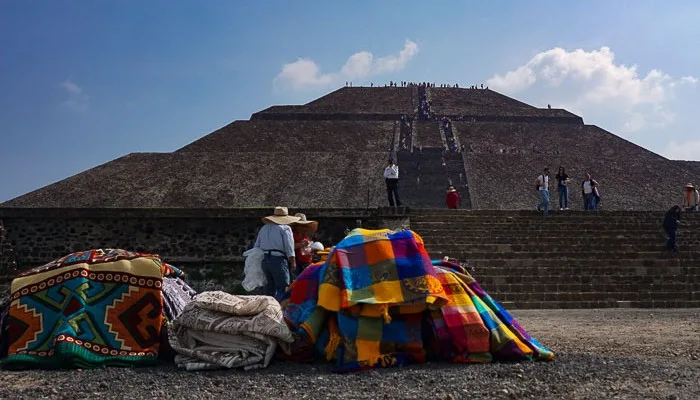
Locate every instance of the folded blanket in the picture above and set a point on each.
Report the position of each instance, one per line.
(88, 309)
(218, 329)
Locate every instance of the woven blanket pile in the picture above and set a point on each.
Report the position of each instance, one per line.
(379, 301)
(4, 313)
(220, 330)
(88, 309)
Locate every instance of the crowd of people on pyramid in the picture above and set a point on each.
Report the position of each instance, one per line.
(419, 84)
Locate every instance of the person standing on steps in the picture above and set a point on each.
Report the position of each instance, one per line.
(452, 198)
(563, 188)
(543, 188)
(672, 220)
(391, 176)
(587, 191)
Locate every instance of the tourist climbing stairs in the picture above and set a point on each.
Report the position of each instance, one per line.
(570, 260)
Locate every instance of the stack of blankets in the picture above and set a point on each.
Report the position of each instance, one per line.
(90, 309)
(218, 330)
(380, 301)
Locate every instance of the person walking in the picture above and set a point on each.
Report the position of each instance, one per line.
(276, 241)
(543, 188)
(563, 188)
(672, 220)
(452, 198)
(391, 176)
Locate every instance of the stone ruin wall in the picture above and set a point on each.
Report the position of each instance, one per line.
(207, 244)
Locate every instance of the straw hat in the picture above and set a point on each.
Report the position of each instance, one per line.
(451, 189)
(280, 217)
(689, 186)
(302, 221)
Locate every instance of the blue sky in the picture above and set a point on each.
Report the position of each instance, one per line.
(85, 82)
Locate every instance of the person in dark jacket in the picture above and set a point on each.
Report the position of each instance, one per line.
(671, 221)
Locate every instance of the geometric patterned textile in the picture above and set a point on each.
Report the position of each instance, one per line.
(88, 309)
(176, 295)
(379, 301)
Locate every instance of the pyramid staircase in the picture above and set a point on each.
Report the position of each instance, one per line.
(571, 260)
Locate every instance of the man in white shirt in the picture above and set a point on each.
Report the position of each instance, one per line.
(391, 176)
(543, 188)
(275, 239)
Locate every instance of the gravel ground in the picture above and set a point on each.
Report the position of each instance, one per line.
(600, 354)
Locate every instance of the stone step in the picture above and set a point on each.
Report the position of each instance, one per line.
(580, 265)
(563, 256)
(594, 296)
(549, 223)
(609, 288)
(566, 304)
(589, 241)
(641, 281)
(543, 247)
(586, 270)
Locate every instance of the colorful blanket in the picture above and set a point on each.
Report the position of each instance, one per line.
(473, 327)
(88, 309)
(379, 301)
(363, 304)
(218, 330)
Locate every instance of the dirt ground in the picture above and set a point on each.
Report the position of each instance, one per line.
(600, 354)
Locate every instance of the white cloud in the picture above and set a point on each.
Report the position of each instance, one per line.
(305, 73)
(592, 83)
(77, 99)
(689, 150)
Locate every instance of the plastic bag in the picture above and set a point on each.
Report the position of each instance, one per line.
(254, 277)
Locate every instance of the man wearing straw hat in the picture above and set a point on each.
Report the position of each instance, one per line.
(277, 243)
(301, 231)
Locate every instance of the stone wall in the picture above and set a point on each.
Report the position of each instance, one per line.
(208, 244)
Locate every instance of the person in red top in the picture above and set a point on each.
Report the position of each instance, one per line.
(452, 198)
(301, 231)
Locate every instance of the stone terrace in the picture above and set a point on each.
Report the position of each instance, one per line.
(238, 179)
(298, 136)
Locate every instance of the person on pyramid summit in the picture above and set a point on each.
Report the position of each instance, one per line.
(452, 198)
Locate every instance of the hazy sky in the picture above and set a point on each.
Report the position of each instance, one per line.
(84, 82)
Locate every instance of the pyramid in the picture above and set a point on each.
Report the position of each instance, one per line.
(331, 152)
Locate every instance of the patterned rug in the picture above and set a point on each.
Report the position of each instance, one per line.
(88, 309)
(379, 301)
